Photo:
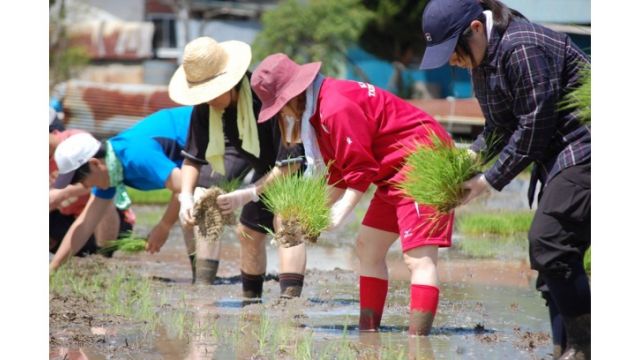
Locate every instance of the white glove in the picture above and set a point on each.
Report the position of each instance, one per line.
(237, 198)
(186, 209)
(343, 207)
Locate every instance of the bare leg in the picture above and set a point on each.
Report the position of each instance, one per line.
(108, 227)
(422, 263)
(253, 260)
(293, 261)
(372, 246)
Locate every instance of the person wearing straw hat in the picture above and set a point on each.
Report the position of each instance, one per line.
(146, 156)
(521, 71)
(364, 133)
(214, 77)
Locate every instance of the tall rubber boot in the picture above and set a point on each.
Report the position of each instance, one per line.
(206, 270)
(578, 338)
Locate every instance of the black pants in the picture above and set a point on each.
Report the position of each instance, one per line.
(59, 224)
(561, 229)
(559, 236)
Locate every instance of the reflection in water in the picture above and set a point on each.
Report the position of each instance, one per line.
(420, 348)
(494, 295)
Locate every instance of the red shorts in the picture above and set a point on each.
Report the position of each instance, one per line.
(417, 225)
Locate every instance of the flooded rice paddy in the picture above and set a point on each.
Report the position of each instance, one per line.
(144, 306)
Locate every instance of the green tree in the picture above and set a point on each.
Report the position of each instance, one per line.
(64, 60)
(317, 30)
(395, 34)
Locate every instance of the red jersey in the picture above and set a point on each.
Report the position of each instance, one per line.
(75, 205)
(365, 133)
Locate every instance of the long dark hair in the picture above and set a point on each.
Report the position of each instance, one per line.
(502, 16)
(297, 104)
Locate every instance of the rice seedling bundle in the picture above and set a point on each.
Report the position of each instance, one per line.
(587, 261)
(209, 219)
(435, 174)
(129, 244)
(580, 97)
(302, 206)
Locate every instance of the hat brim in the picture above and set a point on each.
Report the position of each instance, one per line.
(438, 55)
(299, 82)
(64, 180)
(237, 64)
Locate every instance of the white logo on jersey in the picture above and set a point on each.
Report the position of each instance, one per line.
(371, 90)
(349, 141)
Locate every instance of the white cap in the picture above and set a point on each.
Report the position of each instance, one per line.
(52, 115)
(74, 152)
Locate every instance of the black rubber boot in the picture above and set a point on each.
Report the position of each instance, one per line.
(192, 262)
(206, 270)
(251, 285)
(578, 338)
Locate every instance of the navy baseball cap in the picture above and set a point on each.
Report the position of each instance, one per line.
(442, 23)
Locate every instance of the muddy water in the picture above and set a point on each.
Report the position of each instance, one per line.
(489, 308)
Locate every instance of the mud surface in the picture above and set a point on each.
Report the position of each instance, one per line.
(489, 308)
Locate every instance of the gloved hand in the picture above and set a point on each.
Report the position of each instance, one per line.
(237, 198)
(186, 209)
(343, 207)
(474, 187)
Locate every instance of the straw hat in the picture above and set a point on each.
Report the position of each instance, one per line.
(209, 69)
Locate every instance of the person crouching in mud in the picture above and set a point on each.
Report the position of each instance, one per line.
(145, 157)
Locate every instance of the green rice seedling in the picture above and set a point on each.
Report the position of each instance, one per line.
(580, 97)
(161, 196)
(302, 205)
(494, 223)
(263, 332)
(128, 243)
(303, 348)
(230, 185)
(435, 174)
(587, 261)
(502, 247)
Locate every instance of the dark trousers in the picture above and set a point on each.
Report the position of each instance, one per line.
(559, 236)
(59, 224)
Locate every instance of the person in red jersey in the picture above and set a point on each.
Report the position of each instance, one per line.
(363, 135)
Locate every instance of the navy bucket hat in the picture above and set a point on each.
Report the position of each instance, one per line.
(442, 23)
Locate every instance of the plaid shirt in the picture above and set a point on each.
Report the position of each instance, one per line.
(526, 71)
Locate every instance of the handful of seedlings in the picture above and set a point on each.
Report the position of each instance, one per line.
(579, 99)
(209, 219)
(129, 243)
(435, 174)
(301, 204)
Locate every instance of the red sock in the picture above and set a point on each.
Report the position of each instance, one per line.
(373, 293)
(424, 303)
(424, 298)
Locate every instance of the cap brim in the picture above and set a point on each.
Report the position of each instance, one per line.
(237, 65)
(436, 56)
(299, 83)
(64, 180)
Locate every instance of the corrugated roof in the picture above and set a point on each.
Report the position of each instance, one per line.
(107, 109)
